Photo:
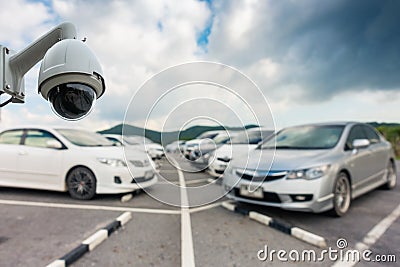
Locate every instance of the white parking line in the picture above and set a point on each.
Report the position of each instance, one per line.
(194, 181)
(187, 252)
(207, 207)
(372, 236)
(85, 207)
(211, 180)
(168, 171)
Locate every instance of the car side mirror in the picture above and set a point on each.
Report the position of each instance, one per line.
(54, 144)
(360, 143)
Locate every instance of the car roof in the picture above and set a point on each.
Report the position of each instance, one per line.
(19, 127)
(339, 123)
(261, 129)
(112, 135)
(41, 127)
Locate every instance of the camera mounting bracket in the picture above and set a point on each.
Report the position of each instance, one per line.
(13, 66)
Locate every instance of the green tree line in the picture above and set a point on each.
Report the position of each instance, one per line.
(392, 134)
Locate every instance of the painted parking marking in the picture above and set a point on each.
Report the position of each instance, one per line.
(86, 207)
(283, 227)
(372, 236)
(211, 180)
(187, 251)
(194, 181)
(90, 243)
(126, 198)
(167, 171)
(206, 207)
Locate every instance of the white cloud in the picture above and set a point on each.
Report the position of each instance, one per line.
(21, 21)
(282, 46)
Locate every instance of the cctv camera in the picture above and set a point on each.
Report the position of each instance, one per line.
(70, 76)
(71, 79)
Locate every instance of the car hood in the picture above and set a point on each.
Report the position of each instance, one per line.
(281, 159)
(153, 146)
(101, 150)
(137, 154)
(115, 152)
(135, 148)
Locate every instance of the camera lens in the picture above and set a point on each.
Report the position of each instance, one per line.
(72, 101)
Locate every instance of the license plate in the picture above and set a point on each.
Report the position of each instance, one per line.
(253, 191)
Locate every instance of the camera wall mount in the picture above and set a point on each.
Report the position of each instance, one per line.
(13, 66)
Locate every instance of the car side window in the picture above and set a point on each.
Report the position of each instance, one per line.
(372, 136)
(12, 137)
(254, 137)
(38, 138)
(355, 133)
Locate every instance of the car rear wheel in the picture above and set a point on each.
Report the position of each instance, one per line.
(81, 183)
(341, 195)
(391, 176)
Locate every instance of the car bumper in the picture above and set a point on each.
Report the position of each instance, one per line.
(300, 195)
(121, 180)
(156, 154)
(217, 167)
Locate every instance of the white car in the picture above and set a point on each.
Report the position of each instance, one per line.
(191, 145)
(201, 155)
(63, 159)
(174, 147)
(135, 150)
(240, 143)
(315, 167)
(155, 151)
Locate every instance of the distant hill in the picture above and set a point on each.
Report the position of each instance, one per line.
(168, 137)
(385, 124)
(390, 130)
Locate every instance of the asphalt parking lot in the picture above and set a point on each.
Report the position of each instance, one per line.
(38, 227)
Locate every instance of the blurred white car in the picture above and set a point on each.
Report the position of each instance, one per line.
(174, 146)
(206, 147)
(191, 145)
(155, 151)
(78, 161)
(242, 142)
(137, 149)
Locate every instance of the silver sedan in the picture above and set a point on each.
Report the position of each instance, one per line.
(315, 168)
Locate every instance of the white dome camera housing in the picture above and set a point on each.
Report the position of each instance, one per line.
(71, 79)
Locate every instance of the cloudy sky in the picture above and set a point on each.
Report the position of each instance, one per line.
(312, 60)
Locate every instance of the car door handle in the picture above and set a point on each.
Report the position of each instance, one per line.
(22, 153)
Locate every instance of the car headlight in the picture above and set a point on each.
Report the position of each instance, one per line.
(112, 162)
(309, 174)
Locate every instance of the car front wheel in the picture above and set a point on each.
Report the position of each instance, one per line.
(341, 195)
(81, 183)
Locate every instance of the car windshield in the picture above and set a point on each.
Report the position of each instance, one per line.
(305, 137)
(84, 138)
(136, 140)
